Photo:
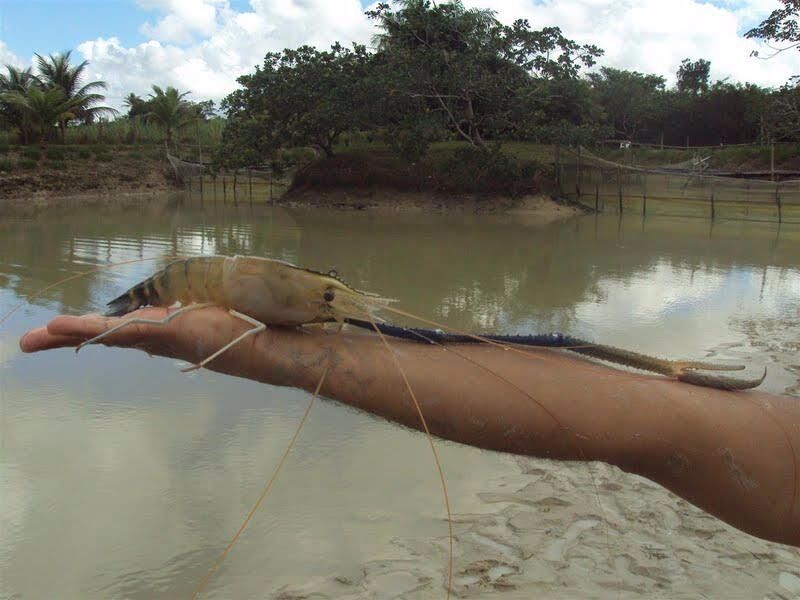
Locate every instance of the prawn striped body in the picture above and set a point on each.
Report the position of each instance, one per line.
(269, 291)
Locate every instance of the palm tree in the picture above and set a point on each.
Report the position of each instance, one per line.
(17, 80)
(55, 71)
(42, 109)
(170, 110)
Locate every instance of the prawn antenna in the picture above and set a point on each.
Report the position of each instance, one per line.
(265, 491)
(433, 449)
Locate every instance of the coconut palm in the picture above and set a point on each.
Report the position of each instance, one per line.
(55, 71)
(169, 109)
(16, 80)
(42, 109)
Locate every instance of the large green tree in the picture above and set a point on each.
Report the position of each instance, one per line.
(170, 109)
(477, 74)
(56, 71)
(632, 100)
(301, 97)
(40, 109)
(15, 81)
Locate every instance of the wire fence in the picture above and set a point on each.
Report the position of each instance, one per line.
(250, 184)
(607, 186)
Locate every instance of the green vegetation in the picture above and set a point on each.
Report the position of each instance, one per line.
(449, 98)
(6, 165)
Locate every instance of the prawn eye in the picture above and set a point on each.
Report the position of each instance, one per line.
(328, 296)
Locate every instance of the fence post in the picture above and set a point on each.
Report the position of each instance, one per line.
(201, 184)
(778, 202)
(772, 160)
(644, 194)
(597, 193)
(619, 187)
(224, 188)
(713, 190)
(558, 169)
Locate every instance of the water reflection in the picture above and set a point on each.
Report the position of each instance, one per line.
(116, 485)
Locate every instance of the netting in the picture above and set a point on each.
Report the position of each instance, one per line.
(609, 186)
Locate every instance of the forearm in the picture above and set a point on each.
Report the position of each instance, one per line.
(733, 454)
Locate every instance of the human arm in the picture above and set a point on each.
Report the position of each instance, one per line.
(732, 454)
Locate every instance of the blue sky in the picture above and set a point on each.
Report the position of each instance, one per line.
(204, 45)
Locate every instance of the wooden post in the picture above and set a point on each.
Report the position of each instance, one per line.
(201, 184)
(778, 202)
(224, 188)
(772, 160)
(713, 190)
(644, 194)
(597, 194)
(235, 173)
(619, 187)
(270, 186)
(558, 168)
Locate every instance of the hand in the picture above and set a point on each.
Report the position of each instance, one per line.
(191, 336)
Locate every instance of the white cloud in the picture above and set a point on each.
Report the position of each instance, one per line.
(230, 43)
(9, 58)
(653, 36)
(204, 45)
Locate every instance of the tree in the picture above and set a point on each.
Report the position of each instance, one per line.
(169, 109)
(469, 69)
(299, 97)
(781, 27)
(16, 80)
(693, 76)
(55, 71)
(631, 100)
(42, 109)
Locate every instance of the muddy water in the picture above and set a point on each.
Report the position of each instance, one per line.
(122, 477)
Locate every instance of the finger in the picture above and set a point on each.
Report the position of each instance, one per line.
(40, 339)
(89, 326)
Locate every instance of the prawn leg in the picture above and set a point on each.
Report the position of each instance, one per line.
(140, 321)
(258, 327)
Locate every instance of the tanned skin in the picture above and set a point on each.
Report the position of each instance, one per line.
(733, 454)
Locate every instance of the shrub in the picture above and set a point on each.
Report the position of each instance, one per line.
(32, 153)
(84, 153)
(55, 154)
(6, 165)
(4, 147)
(28, 164)
(103, 158)
(58, 165)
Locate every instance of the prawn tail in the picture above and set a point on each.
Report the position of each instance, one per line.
(143, 293)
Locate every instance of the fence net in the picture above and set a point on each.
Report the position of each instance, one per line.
(674, 189)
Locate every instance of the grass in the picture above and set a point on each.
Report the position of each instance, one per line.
(32, 153)
(28, 164)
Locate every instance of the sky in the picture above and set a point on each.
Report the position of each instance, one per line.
(204, 45)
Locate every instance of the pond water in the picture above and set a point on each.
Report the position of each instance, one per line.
(122, 477)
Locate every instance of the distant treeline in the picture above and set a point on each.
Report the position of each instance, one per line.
(438, 72)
